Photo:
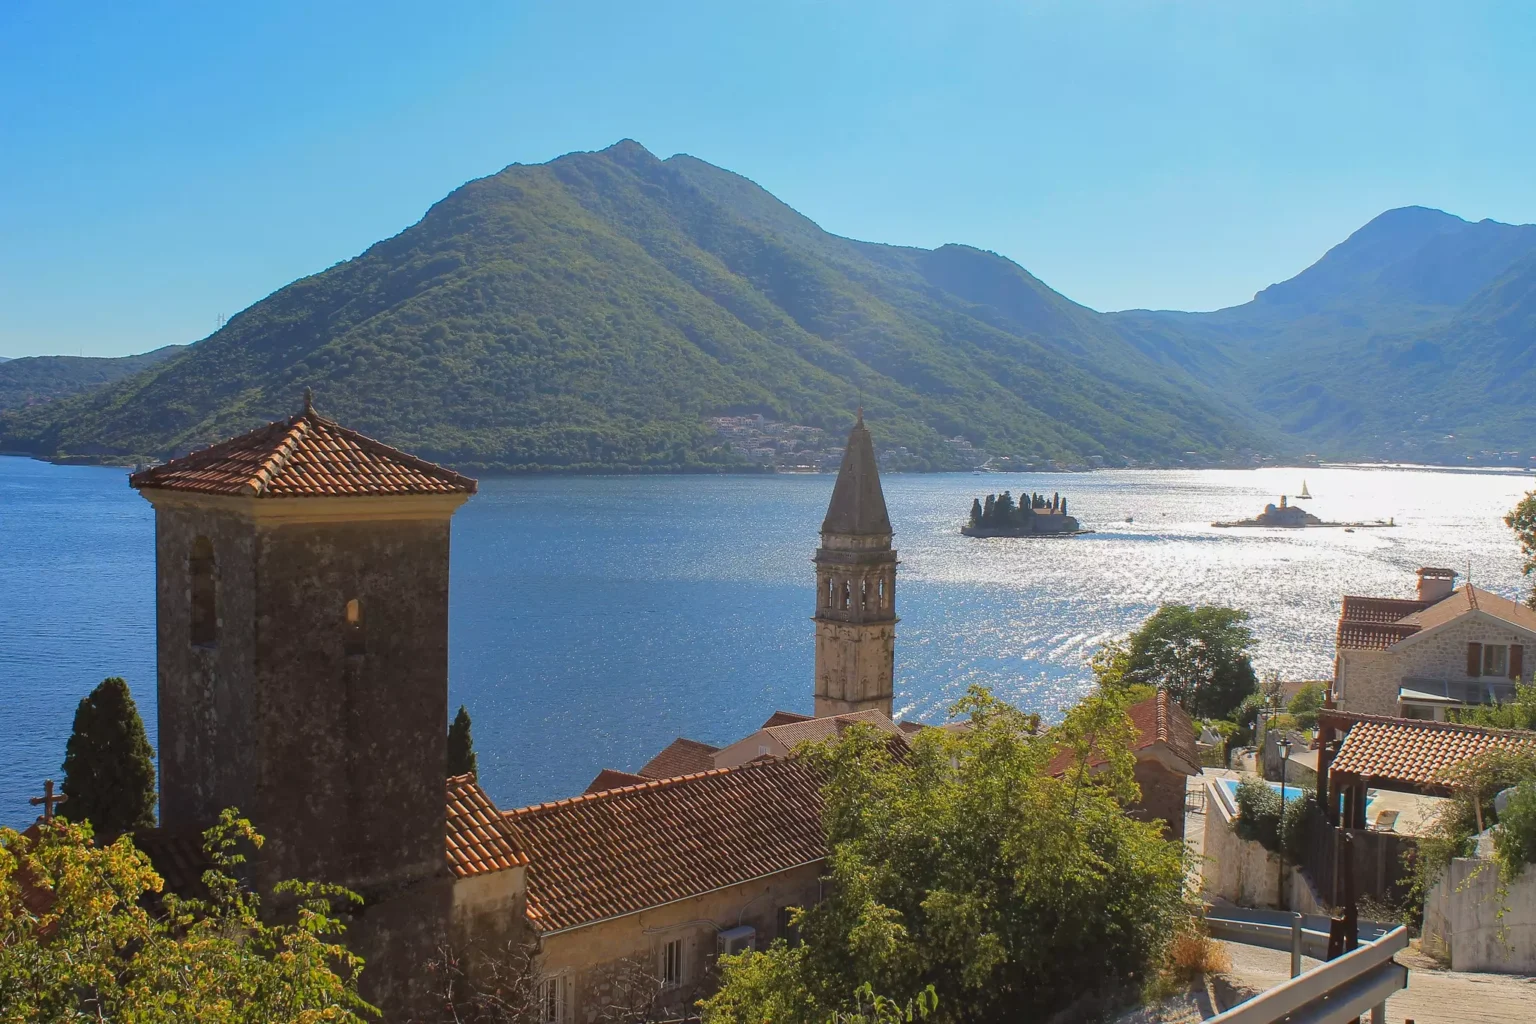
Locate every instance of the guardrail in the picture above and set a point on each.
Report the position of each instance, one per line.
(1333, 993)
(1275, 929)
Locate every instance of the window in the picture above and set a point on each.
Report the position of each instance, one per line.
(203, 592)
(1495, 659)
(354, 640)
(552, 1000)
(672, 964)
(787, 929)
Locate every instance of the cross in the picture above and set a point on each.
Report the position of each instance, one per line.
(48, 800)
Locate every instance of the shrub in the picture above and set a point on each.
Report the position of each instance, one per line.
(1259, 817)
(1514, 840)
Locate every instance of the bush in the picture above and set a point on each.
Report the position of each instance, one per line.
(1514, 840)
(1259, 818)
(1304, 706)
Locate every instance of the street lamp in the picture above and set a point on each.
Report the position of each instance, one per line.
(1285, 760)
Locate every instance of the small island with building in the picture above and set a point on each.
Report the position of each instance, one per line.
(1032, 516)
(1294, 517)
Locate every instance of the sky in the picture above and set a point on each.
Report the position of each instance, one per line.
(166, 164)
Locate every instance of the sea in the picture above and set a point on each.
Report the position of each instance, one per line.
(594, 619)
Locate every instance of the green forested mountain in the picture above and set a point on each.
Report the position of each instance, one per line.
(590, 312)
(1414, 338)
(34, 380)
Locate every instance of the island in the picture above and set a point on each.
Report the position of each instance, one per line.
(1032, 516)
(1294, 517)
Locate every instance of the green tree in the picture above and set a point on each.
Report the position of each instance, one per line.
(1304, 706)
(461, 746)
(974, 864)
(1522, 519)
(1518, 713)
(988, 518)
(975, 511)
(1004, 509)
(1200, 655)
(109, 767)
(93, 950)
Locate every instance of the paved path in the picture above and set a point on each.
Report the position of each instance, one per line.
(1433, 996)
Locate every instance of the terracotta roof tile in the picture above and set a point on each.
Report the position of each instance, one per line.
(1158, 719)
(478, 839)
(1372, 636)
(680, 757)
(1416, 753)
(1378, 609)
(612, 778)
(818, 729)
(785, 718)
(303, 456)
(620, 851)
(1468, 599)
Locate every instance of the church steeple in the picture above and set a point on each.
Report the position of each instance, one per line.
(856, 589)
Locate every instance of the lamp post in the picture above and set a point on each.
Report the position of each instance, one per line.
(1285, 759)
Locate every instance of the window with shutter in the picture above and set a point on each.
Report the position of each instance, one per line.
(1474, 659)
(1516, 662)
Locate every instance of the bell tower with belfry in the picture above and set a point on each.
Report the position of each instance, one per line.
(856, 589)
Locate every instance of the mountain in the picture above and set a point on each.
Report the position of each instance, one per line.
(33, 380)
(590, 312)
(1405, 340)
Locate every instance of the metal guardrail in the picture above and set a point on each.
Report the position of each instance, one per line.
(1333, 993)
(1273, 929)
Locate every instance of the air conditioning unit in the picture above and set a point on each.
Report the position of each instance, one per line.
(733, 940)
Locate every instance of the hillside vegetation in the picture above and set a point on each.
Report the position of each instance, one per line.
(35, 380)
(590, 312)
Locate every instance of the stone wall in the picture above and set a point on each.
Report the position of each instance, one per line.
(1163, 792)
(1462, 919)
(612, 963)
(1368, 680)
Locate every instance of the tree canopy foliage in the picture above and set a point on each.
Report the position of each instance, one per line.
(1200, 655)
(109, 767)
(79, 940)
(1522, 519)
(462, 759)
(969, 866)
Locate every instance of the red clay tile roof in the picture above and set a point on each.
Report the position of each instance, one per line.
(1378, 609)
(1158, 719)
(478, 839)
(304, 456)
(1414, 752)
(612, 778)
(1372, 636)
(680, 757)
(785, 718)
(1468, 599)
(621, 851)
(818, 729)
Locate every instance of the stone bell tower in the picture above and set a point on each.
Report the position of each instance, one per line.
(855, 589)
(302, 649)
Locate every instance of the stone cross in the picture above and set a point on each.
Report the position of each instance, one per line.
(48, 800)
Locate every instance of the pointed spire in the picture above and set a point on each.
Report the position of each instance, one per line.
(858, 503)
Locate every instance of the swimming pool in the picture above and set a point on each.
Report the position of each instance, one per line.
(1292, 794)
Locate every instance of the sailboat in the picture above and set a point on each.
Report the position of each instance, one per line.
(1304, 492)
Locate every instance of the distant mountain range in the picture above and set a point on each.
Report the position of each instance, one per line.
(35, 380)
(590, 312)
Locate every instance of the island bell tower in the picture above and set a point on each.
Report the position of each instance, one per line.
(855, 589)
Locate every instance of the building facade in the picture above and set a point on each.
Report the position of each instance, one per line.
(1448, 647)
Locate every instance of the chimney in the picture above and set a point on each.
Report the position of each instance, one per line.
(1436, 584)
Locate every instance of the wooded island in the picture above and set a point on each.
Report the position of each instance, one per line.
(1036, 515)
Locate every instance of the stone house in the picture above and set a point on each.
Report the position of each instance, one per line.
(633, 891)
(1448, 647)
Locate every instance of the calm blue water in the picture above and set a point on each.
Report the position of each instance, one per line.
(593, 620)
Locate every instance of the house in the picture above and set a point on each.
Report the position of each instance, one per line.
(633, 891)
(1165, 758)
(779, 740)
(1448, 647)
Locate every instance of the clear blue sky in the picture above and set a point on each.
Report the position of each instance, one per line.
(162, 164)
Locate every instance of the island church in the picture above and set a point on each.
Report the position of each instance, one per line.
(302, 661)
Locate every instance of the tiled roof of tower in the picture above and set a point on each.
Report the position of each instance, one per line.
(304, 456)
(858, 504)
(1415, 752)
(617, 852)
(680, 757)
(478, 838)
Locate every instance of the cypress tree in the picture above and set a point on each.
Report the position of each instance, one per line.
(1004, 509)
(109, 767)
(975, 511)
(461, 746)
(986, 512)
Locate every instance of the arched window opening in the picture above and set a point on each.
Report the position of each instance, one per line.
(863, 595)
(882, 592)
(204, 594)
(355, 639)
(847, 595)
(826, 598)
